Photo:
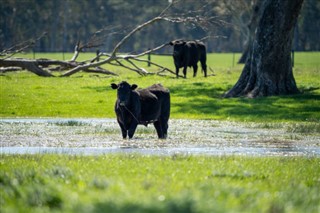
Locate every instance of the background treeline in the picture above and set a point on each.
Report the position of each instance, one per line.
(68, 21)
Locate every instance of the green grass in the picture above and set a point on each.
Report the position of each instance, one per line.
(84, 95)
(134, 183)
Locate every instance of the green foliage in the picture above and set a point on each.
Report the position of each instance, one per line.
(84, 95)
(134, 183)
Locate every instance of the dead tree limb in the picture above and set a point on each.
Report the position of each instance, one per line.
(31, 65)
(43, 67)
(9, 69)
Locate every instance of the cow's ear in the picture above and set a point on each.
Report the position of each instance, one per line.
(134, 86)
(114, 86)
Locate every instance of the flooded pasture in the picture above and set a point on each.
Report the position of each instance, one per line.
(198, 137)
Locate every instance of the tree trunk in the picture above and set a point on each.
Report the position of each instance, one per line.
(252, 26)
(268, 70)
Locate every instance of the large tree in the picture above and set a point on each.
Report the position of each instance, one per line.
(268, 69)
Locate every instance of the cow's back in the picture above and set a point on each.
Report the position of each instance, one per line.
(155, 101)
(163, 95)
(202, 51)
(158, 90)
(193, 52)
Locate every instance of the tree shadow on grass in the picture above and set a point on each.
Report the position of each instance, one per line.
(170, 206)
(205, 99)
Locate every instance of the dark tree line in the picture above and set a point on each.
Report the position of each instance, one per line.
(69, 21)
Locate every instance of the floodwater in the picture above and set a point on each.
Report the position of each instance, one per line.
(186, 137)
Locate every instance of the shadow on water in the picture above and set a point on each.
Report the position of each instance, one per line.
(207, 99)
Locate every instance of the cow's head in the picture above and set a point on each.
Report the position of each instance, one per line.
(178, 47)
(124, 90)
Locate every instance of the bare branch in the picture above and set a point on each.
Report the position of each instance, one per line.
(114, 58)
(139, 71)
(20, 47)
(157, 65)
(167, 8)
(100, 70)
(76, 51)
(96, 40)
(117, 47)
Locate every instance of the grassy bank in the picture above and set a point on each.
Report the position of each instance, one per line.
(132, 183)
(83, 95)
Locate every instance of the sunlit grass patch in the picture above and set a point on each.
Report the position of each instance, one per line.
(84, 95)
(177, 183)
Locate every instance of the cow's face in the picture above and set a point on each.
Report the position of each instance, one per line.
(123, 92)
(178, 48)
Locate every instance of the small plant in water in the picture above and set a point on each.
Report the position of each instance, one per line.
(70, 123)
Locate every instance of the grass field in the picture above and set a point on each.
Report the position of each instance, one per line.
(84, 95)
(177, 183)
(134, 183)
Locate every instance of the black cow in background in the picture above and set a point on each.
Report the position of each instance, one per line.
(143, 106)
(187, 54)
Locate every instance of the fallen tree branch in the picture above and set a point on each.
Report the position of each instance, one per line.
(9, 69)
(31, 65)
(43, 67)
(139, 71)
(38, 66)
(100, 70)
(157, 65)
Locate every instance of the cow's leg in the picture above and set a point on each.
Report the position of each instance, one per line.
(185, 71)
(158, 127)
(123, 131)
(195, 69)
(204, 67)
(164, 125)
(165, 114)
(132, 129)
(177, 71)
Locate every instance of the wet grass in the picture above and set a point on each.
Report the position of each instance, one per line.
(83, 95)
(305, 128)
(134, 183)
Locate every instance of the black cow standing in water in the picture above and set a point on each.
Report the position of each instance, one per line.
(187, 54)
(143, 106)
